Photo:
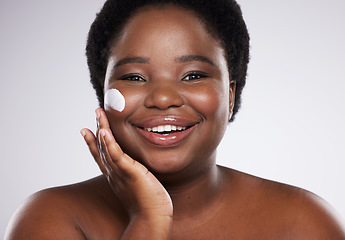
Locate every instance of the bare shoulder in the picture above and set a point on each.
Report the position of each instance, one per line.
(285, 211)
(77, 211)
(308, 215)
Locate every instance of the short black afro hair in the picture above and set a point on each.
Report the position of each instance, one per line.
(223, 17)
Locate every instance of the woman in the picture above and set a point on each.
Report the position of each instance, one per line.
(178, 69)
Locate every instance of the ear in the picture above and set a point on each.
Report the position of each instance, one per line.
(232, 92)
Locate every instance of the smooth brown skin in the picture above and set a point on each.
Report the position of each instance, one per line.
(177, 192)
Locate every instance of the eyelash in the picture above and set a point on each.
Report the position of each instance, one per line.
(139, 78)
(196, 76)
(130, 77)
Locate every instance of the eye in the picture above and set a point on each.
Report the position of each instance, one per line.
(133, 77)
(194, 76)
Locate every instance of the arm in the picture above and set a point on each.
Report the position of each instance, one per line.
(148, 204)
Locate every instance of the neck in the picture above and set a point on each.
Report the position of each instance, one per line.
(197, 196)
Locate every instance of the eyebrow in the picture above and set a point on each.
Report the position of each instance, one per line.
(132, 60)
(194, 58)
(182, 59)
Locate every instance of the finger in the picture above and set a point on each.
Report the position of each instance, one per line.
(102, 151)
(99, 144)
(117, 157)
(102, 118)
(98, 128)
(108, 161)
(114, 174)
(103, 123)
(91, 142)
(98, 136)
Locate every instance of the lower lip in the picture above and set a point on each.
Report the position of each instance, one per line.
(169, 140)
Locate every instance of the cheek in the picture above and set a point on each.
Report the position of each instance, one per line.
(115, 100)
(132, 100)
(210, 101)
(122, 100)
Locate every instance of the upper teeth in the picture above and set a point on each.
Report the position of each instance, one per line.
(165, 128)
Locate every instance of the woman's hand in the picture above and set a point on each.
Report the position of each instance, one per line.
(148, 203)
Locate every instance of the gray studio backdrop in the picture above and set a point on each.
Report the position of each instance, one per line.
(290, 128)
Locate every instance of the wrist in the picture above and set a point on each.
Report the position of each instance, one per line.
(156, 211)
(152, 216)
(149, 226)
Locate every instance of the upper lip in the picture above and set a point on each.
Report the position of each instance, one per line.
(155, 121)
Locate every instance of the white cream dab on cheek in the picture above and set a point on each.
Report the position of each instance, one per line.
(115, 100)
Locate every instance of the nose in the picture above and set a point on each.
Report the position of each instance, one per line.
(164, 96)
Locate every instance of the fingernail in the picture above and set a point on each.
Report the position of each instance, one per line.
(82, 132)
(102, 132)
(97, 114)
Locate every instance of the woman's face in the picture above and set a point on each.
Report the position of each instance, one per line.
(174, 78)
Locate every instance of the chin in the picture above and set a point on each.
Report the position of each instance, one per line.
(166, 162)
(166, 166)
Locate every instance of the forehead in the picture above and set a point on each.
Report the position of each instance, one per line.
(166, 29)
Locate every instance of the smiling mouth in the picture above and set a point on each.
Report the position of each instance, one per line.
(166, 135)
(166, 129)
